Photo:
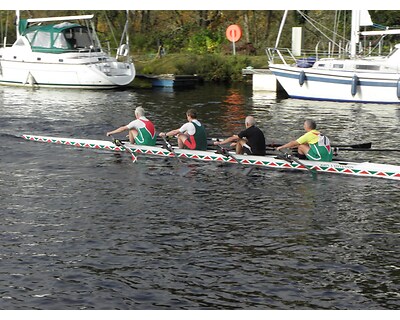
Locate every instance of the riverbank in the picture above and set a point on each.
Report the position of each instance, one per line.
(209, 67)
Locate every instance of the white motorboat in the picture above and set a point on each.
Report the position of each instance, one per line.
(55, 52)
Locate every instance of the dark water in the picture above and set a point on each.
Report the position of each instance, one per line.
(86, 229)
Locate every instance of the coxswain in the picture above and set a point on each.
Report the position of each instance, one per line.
(250, 141)
(141, 131)
(313, 144)
(191, 135)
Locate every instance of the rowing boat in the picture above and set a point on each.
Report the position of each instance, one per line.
(361, 169)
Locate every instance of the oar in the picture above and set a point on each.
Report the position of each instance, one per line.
(290, 158)
(366, 149)
(184, 170)
(226, 153)
(118, 143)
(362, 145)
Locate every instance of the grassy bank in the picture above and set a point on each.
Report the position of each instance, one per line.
(211, 67)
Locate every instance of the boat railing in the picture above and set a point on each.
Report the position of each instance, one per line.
(330, 51)
(285, 55)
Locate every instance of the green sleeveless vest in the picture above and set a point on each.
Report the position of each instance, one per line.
(200, 137)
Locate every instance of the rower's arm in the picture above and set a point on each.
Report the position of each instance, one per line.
(228, 140)
(170, 133)
(120, 129)
(291, 144)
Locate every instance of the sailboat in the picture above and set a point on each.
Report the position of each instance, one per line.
(60, 52)
(353, 78)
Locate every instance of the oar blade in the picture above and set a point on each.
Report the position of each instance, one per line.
(366, 145)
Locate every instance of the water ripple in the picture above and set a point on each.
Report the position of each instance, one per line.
(86, 229)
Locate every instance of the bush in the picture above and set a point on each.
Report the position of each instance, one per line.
(204, 42)
(211, 67)
(215, 67)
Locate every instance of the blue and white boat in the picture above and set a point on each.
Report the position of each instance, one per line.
(354, 78)
(54, 52)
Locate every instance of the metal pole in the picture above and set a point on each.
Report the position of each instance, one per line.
(281, 28)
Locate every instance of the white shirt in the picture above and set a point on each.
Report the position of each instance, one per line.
(137, 124)
(189, 127)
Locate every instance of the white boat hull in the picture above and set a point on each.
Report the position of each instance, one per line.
(363, 169)
(70, 73)
(338, 85)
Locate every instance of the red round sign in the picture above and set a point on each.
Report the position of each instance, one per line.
(233, 33)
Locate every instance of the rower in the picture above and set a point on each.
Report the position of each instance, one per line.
(313, 144)
(141, 130)
(250, 141)
(191, 135)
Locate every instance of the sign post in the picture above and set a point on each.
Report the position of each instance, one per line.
(233, 34)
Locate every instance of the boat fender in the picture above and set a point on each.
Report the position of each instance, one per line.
(123, 50)
(398, 88)
(302, 77)
(354, 84)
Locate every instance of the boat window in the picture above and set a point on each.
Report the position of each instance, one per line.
(30, 36)
(82, 38)
(321, 64)
(367, 67)
(60, 41)
(79, 38)
(338, 66)
(42, 39)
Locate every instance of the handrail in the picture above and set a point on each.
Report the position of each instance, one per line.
(285, 55)
(82, 17)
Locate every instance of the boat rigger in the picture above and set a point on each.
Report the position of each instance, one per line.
(361, 169)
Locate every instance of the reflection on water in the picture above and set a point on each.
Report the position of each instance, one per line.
(86, 229)
(234, 113)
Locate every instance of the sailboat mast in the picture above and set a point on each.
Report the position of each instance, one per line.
(355, 32)
(17, 19)
(281, 28)
(127, 26)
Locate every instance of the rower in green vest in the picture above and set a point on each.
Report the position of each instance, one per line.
(141, 131)
(191, 135)
(313, 144)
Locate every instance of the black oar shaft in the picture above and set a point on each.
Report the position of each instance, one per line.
(366, 149)
(289, 158)
(362, 145)
(169, 147)
(119, 143)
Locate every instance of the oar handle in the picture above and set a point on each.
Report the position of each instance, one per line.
(118, 143)
(170, 149)
(167, 144)
(227, 154)
(293, 158)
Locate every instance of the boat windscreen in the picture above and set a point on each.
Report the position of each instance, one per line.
(56, 40)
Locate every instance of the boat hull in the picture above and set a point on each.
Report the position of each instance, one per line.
(345, 86)
(65, 75)
(361, 169)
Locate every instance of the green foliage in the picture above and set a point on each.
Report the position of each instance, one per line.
(142, 43)
(211, 67)
(214, 67)
(204, 41)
